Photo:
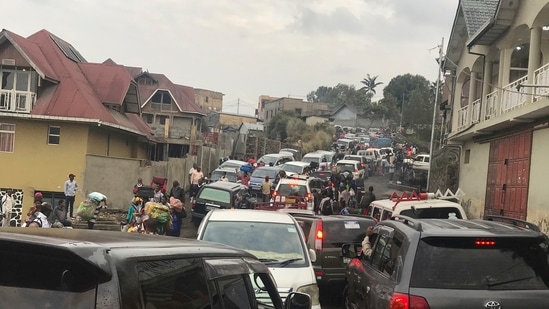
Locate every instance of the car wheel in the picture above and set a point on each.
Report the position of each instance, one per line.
(347, 304)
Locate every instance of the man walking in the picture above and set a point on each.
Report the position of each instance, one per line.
(196, 178)
(177, 191)
(70, 189)
(7, 205)
(266, 189)
(368, 198)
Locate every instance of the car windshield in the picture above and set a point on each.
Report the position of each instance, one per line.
(344, 167)
(311, 159)
(433, 213)
(216, 175)
(268, 160)
(215, 195)
(273, 243)
(293, 168)
(262, 172)
(495, 264)
(286, 189)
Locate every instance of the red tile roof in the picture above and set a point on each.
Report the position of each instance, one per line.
(82, 87)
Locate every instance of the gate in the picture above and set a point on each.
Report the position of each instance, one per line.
(508, 176)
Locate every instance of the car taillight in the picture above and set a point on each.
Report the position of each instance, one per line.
(405, 301)
(319, 236)
(275, 193)
(482, 242)
(309, 196)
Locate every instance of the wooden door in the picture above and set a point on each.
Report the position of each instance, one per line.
(508, 176)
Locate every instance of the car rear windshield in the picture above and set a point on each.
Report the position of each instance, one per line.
(216, 175)
(261, 173)
(337, 232)
(516, 263)
(346, 167)
(322, 175)
(293, 168)
(311, 159)
(433, 213)
(215, 195)
(292, 190)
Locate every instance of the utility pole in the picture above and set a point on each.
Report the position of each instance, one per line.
(238, 106)
(401, 112)
(440, 62)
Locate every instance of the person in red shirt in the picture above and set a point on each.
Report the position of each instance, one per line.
(245, 179)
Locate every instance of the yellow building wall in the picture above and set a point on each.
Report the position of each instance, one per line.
(538, 209)
(36, 166)
(472, 178)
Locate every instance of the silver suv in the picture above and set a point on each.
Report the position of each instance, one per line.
(450, 263)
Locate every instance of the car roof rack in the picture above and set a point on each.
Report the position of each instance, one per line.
(513, 221)
(408, 221)
(414, 196)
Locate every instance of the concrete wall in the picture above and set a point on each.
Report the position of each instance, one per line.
(538, 209)
(472, 178)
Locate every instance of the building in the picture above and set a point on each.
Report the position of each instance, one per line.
(208, 100)
(58, 113)
(219, 120)
(171, 112)
(261, 105)
(299, 107)
(497, 63)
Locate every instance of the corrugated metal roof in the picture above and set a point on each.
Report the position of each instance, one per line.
(477, 13)
(80, 90)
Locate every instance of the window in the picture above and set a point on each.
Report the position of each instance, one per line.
(54, 134)
(149, 118)
(162, 119)
(385, 253)
(161, 100)
(467, 156)
(234, 292)
(178, 283)
(7, 137)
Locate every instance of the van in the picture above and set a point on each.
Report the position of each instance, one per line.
(371, 153)
(344, 143)
(422, 205)
(322, 160)
(64, 268)
(274, 238)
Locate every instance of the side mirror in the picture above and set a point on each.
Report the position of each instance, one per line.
(297, 300)
(312, 255)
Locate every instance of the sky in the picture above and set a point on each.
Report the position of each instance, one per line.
(248, 48)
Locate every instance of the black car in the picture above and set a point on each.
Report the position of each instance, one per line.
(220, 194)
(326, 235)
(324, 175)
(449, 263)
(70, 268)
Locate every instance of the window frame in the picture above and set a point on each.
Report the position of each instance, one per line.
(53, 135)
(6, 131)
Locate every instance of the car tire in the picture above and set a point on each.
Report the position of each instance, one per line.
(347, 304)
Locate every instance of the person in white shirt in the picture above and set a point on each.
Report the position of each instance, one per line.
(70, 190)
(196, 177)
(224, 177)
(8, 202)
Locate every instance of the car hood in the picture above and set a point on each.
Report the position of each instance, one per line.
(292, 278)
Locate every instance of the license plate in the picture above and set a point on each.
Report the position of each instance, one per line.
(290, 200)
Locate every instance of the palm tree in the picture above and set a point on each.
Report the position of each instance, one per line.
(370, 84)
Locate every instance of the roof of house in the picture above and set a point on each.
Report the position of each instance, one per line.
(182, 95)
(79, 88)
(479, 23)
(342, 106)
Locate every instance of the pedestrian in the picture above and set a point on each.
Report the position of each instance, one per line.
(224, 177)
(70, 190)
(41, 216)
(245, 179)
(366, 245)
(8, 202)
(367, 198)
(157, 195)
(196, 178)
(191, 171)
(60, 214)
(391, 173)
(100, 202)
(266, 189)
(176, 211)
(138, 185)
(326, 207)
(177, 191)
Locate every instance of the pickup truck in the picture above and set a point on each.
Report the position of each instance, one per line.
(420, 161)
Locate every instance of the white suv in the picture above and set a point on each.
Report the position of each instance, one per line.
(295, 187)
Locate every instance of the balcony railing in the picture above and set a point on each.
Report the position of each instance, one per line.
(513, 97)
(491, 105)
(541, 77)
(475, 117)
(16, 101)
(463, 117)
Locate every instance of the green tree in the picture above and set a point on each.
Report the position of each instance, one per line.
(370, 84)
(276, 129)
(340, 94)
